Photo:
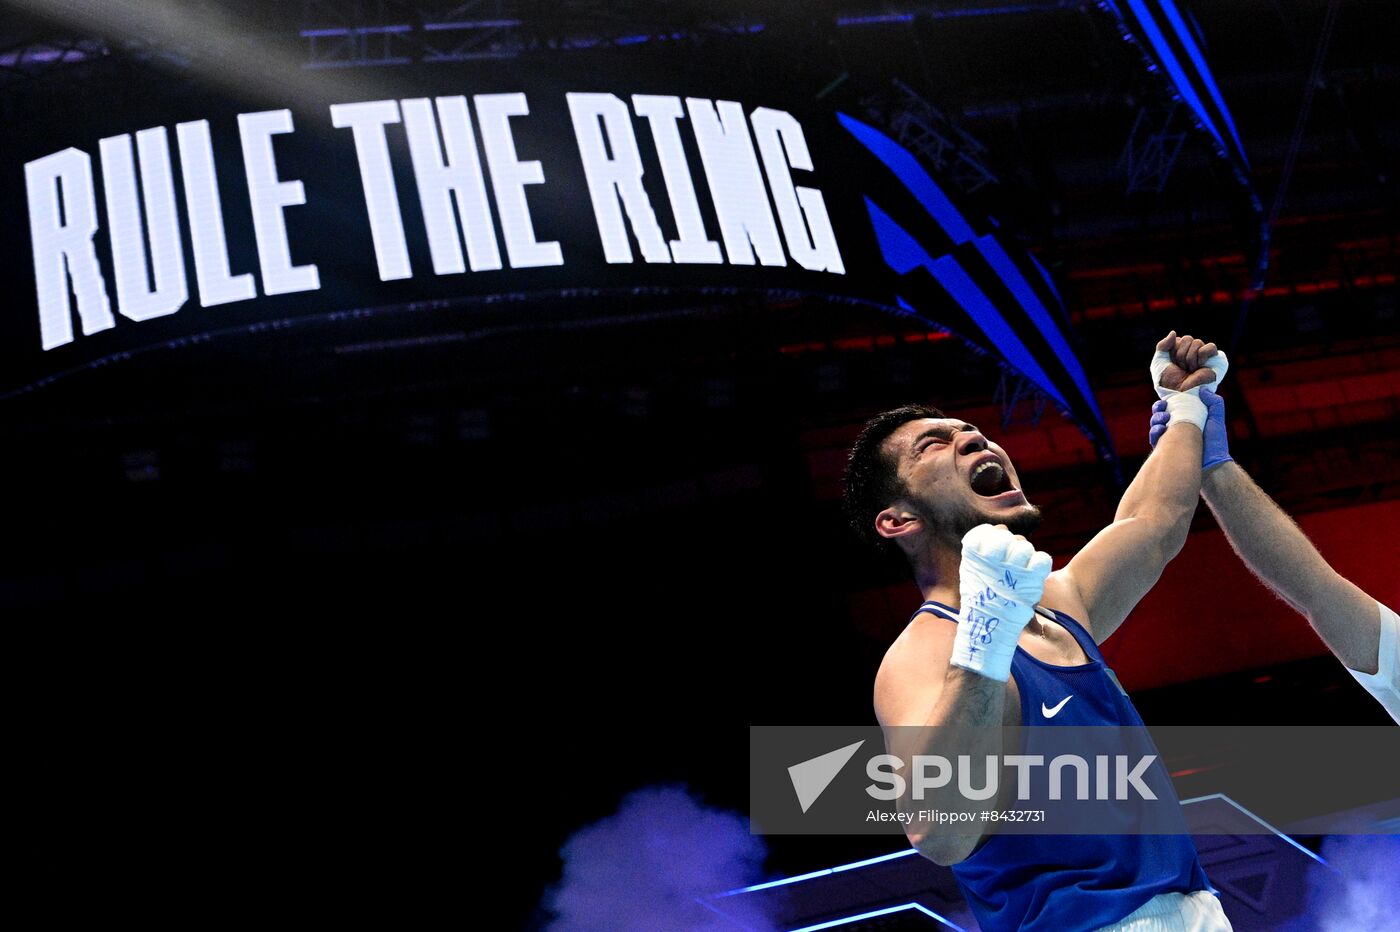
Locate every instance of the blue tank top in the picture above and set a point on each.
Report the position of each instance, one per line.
(1061, 883)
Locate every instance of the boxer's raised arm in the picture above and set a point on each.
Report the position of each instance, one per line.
(1124, 560)
(1112, 573)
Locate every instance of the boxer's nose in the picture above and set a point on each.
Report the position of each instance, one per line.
(970, 441)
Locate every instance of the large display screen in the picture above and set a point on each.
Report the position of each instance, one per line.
(184, 214)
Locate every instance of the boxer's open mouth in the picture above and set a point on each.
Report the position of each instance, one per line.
(990, 479)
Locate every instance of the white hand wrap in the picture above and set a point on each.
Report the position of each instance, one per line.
(1161, 359)
(1384, 684)
(1186, 407)
(999, 582)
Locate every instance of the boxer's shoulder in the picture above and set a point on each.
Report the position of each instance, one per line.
(927, 639)
(1062, 595)
(907, 682)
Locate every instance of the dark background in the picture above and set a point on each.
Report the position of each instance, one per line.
(345, 600)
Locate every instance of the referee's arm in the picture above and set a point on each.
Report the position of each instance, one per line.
(1363, 633)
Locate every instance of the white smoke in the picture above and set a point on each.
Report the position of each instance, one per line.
(1358, 889)
(642, 868)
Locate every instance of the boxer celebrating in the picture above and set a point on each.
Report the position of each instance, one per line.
(1002, 640)
(1362, 633)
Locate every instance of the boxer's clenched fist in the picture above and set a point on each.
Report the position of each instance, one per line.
(1184, 364)
(1180, 367)
(999, 582)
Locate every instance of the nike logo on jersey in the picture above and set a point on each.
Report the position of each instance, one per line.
(1052, 711)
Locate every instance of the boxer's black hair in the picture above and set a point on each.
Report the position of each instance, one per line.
(871, 482)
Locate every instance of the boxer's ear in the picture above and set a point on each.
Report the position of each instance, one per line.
(896, 522)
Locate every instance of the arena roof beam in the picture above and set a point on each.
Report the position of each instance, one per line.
(380, 32)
